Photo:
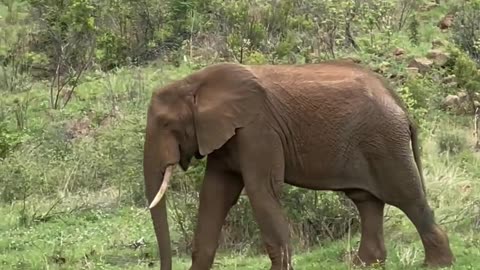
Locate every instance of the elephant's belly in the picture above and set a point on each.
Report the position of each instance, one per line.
(327, 183)
(331, 173)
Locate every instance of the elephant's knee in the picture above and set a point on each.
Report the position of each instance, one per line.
(203, 254)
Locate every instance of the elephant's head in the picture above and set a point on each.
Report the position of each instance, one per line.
(193, 117)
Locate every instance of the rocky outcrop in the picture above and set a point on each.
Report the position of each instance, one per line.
(78, 128)
(437, 43)
(423, 64)
(460, 103)
(429, 6)
(412, 71)
(398, 52)
(438, 57)
(446, 22)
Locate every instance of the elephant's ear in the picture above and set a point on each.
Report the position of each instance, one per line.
(228, 97)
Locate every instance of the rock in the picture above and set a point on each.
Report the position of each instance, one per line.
(451, 100)
(436, 43)
(459, 103)
(398, 52)
(450, 81)
(446, 22)
(438, 57)
(462, 96)
(429, 6)
(452, 103)
(423, 64)
(79, 128)
(412, 70)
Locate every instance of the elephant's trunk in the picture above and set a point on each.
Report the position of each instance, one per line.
(160, 223)
(158, 210)
(162, 232)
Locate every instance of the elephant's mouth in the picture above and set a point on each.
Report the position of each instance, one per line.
(184, 159)
(198, 155)
(184, 163)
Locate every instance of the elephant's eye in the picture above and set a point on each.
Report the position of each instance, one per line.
(165, 124)
(162, 122)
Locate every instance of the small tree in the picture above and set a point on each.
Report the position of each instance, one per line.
(67, 33)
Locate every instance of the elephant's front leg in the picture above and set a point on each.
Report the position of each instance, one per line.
(263, 171)
(272, 221)
(219, 192)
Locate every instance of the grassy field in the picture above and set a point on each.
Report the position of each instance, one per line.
(107, 236)
(71, 183)
(95, 230)
(82, 212)
(95, 218)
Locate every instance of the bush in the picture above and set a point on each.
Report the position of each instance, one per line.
(466, 28)
(451, 142)
(96, 143)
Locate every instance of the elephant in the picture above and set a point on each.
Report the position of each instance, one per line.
(333, 126)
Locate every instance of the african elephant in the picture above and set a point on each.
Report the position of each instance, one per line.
(329, 126)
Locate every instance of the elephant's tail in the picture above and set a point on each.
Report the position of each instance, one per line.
(416, 154)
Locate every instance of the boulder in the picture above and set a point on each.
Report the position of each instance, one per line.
(438, 57)
(446, 22)
(450, 81)
(459, 103)
(78, 128)
(398, 52)
(412, 71)
(462, 97)
(451, 100)
(422, 64)
(437, 43)
(429, 6)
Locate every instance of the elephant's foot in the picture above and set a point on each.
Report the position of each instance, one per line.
(437, 249)
(282, 267)
(370, 258)
(372, 250)
(281, 258)
(366, 259)
(434, 240)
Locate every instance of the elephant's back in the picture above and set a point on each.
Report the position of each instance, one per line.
(339, 87)
(314, 79)
(333, 111)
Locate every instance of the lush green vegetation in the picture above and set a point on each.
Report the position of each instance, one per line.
(75, 78)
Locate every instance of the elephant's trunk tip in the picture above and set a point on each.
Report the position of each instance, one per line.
(163, 187)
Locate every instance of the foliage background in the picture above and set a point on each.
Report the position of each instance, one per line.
(76, 76)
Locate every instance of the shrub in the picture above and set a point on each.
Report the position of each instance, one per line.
(466, 28)
(451, 142)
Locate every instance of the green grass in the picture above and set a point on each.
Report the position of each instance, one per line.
(97, 179)
(95, 229)
(101, 235)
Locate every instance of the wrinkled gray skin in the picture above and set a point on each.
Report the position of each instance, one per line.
(330, 126)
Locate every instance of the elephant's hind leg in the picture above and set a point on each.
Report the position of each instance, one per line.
(405, 191)
(434, 239)
(372, 246)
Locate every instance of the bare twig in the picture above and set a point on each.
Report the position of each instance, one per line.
(476, 121)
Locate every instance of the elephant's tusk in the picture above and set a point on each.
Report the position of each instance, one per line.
(163, 187)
